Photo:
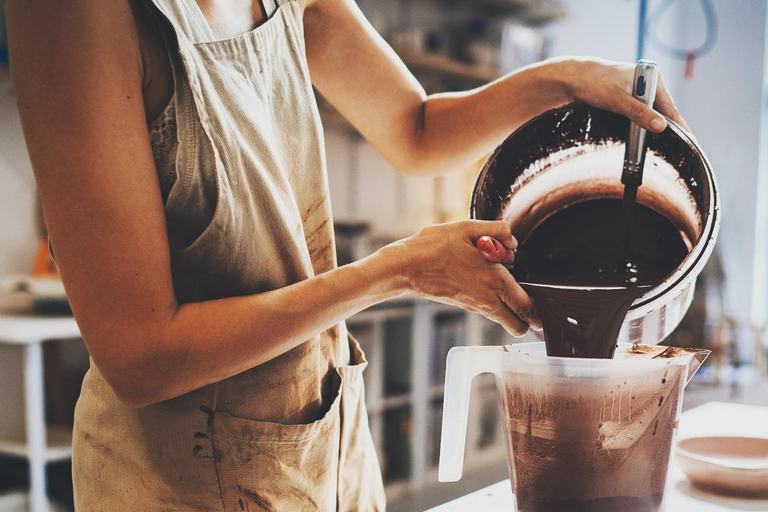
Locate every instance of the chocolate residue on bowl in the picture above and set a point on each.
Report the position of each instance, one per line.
(576, 125)
(671, 352)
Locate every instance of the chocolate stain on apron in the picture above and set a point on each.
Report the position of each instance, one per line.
(290, 434)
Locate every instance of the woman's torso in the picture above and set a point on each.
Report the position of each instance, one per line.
(291, 432)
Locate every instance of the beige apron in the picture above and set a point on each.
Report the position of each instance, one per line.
(291, 434)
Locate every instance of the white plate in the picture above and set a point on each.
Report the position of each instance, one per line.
(731, 465)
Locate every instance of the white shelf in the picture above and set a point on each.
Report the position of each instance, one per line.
(58, 440)
(436, 391)
(23, 329)
(378, 315)
(479, 460)
(397, 489)
(394, 402)
(18, 501)
(449, 66)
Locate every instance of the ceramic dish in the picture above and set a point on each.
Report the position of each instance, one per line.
(731, 465)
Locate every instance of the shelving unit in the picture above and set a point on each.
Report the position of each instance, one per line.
(442, 64)
(421, 63)
(532, 12)
(41, 445)
(58, 445)
(406, 343)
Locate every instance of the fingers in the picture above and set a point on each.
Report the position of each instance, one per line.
(640, 113)
(608, 85)
(666, 105)
(509, 321)
(516, 311)
(485, 286)
(518, 301)
(495, 251)
(501, 230)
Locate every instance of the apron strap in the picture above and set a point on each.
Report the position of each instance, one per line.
(269, 7)
(186, 18)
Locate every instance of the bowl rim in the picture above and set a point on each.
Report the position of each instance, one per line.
(720, 462)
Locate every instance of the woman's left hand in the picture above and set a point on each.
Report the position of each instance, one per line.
(607, 84)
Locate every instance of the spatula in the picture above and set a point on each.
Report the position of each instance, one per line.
(643, 89)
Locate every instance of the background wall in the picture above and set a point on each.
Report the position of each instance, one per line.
(18, 237)
(724, 106)
(723, 103)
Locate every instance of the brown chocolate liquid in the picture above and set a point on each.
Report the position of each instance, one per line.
(556, 431)
(567, 264)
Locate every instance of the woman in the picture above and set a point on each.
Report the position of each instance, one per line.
(199, 260)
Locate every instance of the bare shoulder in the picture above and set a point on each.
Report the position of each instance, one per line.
(75, 22)
(50, 13)
(54, 44)
(313, 4)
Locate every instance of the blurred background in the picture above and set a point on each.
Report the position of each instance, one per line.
(713, 59)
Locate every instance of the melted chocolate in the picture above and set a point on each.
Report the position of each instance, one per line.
(567, 264)
(582, 322)
(651, 503)
(602, 444)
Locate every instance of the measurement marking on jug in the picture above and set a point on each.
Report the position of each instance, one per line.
(613, 402)
(530, 420)
(602, 412)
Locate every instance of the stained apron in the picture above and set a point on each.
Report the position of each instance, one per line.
(290, 434)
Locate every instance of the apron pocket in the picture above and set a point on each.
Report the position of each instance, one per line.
(360, 486)
(265, 466)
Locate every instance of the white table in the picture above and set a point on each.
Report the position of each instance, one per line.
(31, 331)
(712, 419)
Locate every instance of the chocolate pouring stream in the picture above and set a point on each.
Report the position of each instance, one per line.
(567, 265)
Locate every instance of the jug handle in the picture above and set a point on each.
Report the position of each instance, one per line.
(462, 366)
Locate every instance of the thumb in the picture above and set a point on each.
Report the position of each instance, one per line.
(494, 251)
(640, 113)
(500, 230)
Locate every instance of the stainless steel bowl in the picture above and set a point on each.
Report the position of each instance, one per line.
(575, 153)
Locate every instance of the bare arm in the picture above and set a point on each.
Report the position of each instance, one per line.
(355, 69)
(78, 74)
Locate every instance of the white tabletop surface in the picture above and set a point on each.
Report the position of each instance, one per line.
(712, 419)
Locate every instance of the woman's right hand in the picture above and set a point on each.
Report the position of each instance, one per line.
(443, 263)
